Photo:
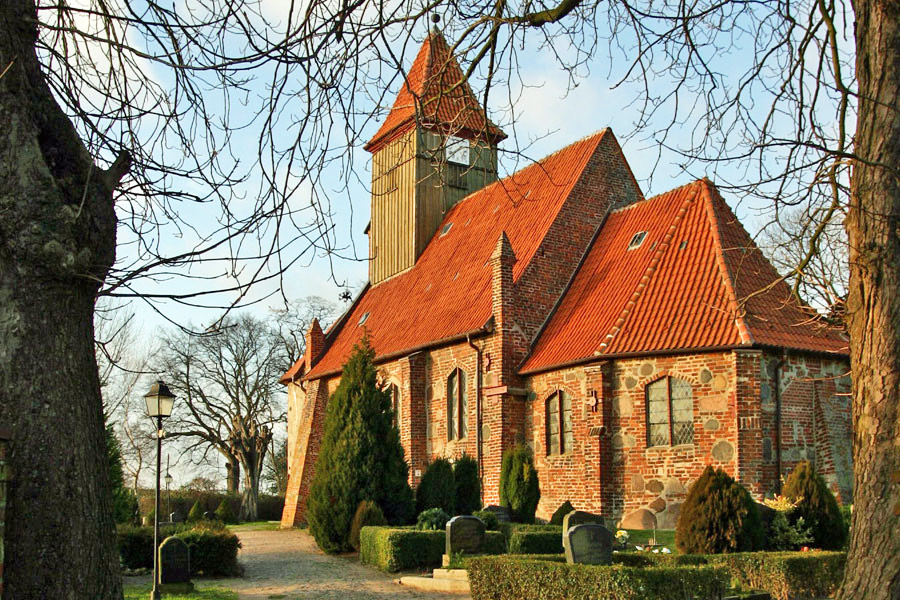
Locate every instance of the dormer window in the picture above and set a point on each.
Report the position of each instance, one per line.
(637, 240)
(446, 228)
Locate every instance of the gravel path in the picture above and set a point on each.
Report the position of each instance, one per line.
(287, 564)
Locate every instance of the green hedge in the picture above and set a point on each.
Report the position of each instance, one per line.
(392, 549)
(502, 577)
(269, 508)
(784, 575)
(213, 548)
(522, 541)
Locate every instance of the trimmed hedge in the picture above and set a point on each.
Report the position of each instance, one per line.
(502, 577)
(784, 575)
(528, 541)
(391, 549)
(787, 575)
(213, 548)
(269, 508)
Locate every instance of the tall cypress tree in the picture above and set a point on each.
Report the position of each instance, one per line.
(361, 457)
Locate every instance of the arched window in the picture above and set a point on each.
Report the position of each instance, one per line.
(559, 423)
(394, 390)
(457, 405)
(670, 412)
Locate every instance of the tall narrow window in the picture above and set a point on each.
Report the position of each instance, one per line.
(395, 403)
(560, 437)
(457, 405)
(670, 412)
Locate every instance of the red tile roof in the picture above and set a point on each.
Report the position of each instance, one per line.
(448, 291)
(697, 281)
(436, 88)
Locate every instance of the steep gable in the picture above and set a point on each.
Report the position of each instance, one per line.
(447, 294)
(695, 281)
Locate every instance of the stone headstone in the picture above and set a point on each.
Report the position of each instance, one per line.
(176, 517)
(589, 544)
(208, 515)
(465, 534)
(503, 514)
(578, 517)
(174, 561)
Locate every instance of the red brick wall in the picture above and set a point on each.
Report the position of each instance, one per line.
(616, 473)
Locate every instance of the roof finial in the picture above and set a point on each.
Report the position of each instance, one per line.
(436, 18)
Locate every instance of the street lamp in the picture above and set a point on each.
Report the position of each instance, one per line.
(159, 404)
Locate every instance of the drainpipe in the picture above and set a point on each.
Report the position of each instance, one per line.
(478, 453)
(777, 391)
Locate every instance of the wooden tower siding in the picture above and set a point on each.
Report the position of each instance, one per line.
(412, 189)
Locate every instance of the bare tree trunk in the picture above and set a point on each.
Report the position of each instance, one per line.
(873, 566)
(233, 470)
(57, 241)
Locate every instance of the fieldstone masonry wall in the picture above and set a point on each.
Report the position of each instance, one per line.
(5, 478)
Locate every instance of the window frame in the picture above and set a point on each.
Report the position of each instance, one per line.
(565, 440)
(457, 405)
(670, 412)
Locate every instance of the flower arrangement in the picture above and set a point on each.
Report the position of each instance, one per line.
(622, 536)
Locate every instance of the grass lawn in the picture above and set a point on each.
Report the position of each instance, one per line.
(142, 592)
(664, 537)
(255, 526)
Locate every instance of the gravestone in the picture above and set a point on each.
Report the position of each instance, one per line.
(589, 544)
(174, 563)
(208, 515)
(464, 534)
(176, 517)
(578, 517)
(503, 514)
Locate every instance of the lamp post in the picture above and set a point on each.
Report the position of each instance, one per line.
(159, 405)
(168, 493)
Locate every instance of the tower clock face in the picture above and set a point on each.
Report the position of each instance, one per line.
(457, 150)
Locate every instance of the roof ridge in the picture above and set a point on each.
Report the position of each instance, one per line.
(660, 195)
(743, 330)
(599, 134)
(648, 273)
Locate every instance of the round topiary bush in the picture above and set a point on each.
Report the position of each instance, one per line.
(368, 513)
(718, 516)
(816, 505)
(491, 522)
(437, 489)
(468, 488)
(196, 513)
(520, 491)
(433, 519)
(561, 512)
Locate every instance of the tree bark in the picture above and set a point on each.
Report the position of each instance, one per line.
(873, 566)
(233, 476)
(57, 241)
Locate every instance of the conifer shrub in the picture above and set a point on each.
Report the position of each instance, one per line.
(561, 512)
(432, 519)
(520, 491)
(491, 522)
(717, 516)
(437, 488)
(360, 457)
(816, 505)
(223, 512)
(468, 488)
(196, 513)
(368, 513)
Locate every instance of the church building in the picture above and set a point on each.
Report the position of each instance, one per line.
(629, 341)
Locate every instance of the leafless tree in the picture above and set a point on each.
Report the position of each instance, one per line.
(122, 123)
(227, 381)
(276, 472)
(293, 321)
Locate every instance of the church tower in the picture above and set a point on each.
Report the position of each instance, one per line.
(435, 147)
